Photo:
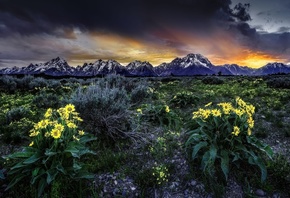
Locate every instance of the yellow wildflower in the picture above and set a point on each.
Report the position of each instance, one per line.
(227, 107)
(167, 109)
(139, 111)
(205, 114)
(63, 113)
(48, 113)
(42, 124)
(71, 125)
(249, 132)
(81, 132)
(78, 118)
(197, 114)
(251, 122)
(240, 102)
(59, 127)
(216, 112)
(236, 131)
(55, 133)
(250, 109)
(47, 134)
(69, 108)
(33, 133)
(239, 112)
(31, 144)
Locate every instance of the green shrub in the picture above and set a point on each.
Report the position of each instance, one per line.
(46, 100)
(8, 83)
(105, 111)
(212, 80)
(23, 83)
(139, 94)
(38, 83)
(281, 82)
(223, 138)
(16, 125)
(160, 114)
(184, 98)
(55, 152)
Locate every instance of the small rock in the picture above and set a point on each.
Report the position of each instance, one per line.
(193, 183)
(276, 195)
(133, 188)
(174, 185)
(260, 193)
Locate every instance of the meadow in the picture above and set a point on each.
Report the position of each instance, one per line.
(202, 136)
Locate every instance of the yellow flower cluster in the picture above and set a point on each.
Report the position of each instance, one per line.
(167, 109)
(205, 113)
(139, 111)
(161, 174)
(241, 109)
(66, 120)
(236, 131)
(226, 107)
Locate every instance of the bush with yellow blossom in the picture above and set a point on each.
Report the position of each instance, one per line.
(161, 114)
(222, 138)
(55, 151)
(161, 174)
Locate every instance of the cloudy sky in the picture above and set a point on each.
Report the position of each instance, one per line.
(245, 32)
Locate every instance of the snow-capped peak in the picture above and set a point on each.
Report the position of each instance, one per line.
(192, 60)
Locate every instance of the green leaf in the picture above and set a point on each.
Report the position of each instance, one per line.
(51, 174)
(84, 175)
(35, 172)
(40, 174)
(86, 138)
(41, 186)
(197, 147)
(76, 166)
(255, 160)
(236, 156)
(60, 168)
(2, 175)
(49, 153)
(195, 137)
(32, 159)
(263, 168)
(14, 181)
(73, 150)
(225, 163)
(205, 160)
(261, 146)
(21, 155)
(17, 166)
(212, 152)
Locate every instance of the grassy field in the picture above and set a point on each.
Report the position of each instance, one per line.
(135, 135)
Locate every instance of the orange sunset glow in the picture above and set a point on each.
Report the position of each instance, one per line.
(220, 48)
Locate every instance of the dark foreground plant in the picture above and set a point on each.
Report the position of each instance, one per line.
(55, 152)
(223, 138)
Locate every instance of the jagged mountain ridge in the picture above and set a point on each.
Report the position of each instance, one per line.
(192, 64)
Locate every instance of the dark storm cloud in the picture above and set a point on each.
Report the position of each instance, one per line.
(129, 17)
(273, 43)
(283, 29)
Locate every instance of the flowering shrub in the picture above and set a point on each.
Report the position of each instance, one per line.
(55, 151)
(223, 138)
(161, 174)
(160, 114)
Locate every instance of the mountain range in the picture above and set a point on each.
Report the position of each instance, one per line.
(190, 65)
